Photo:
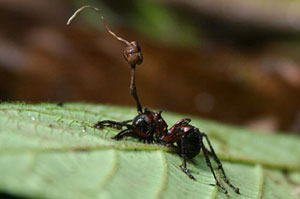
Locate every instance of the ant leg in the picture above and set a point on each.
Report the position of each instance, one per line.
(172, 133)
(144, 140)
(119, 125)
(185, 170)
(122, 134)
(178, 124)
(205, 152)
(183, 165)
(133, 91)
(220, 167)
(111, 124)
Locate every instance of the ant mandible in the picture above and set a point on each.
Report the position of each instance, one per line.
(150, 127)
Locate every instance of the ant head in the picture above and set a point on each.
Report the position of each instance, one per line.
(133, 54)
(144, 122)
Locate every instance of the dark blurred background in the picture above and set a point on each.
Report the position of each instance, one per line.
(233, 61)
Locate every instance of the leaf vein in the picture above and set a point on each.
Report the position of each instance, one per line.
(165, 175)
(110, 175)
(261, 181)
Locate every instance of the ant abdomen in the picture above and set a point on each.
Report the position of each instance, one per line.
(189, 146)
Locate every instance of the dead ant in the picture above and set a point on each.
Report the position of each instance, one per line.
(150, 127)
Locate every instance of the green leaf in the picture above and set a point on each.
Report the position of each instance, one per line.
(47, 151)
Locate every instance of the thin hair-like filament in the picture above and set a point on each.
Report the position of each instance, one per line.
(102, 20)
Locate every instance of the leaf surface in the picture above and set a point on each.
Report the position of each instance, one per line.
(47, 151)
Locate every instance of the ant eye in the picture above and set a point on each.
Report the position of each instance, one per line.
(133, 54)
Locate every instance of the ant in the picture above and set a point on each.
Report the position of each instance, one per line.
(150, 127)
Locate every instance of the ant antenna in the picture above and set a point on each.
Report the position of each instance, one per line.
(132, 53)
